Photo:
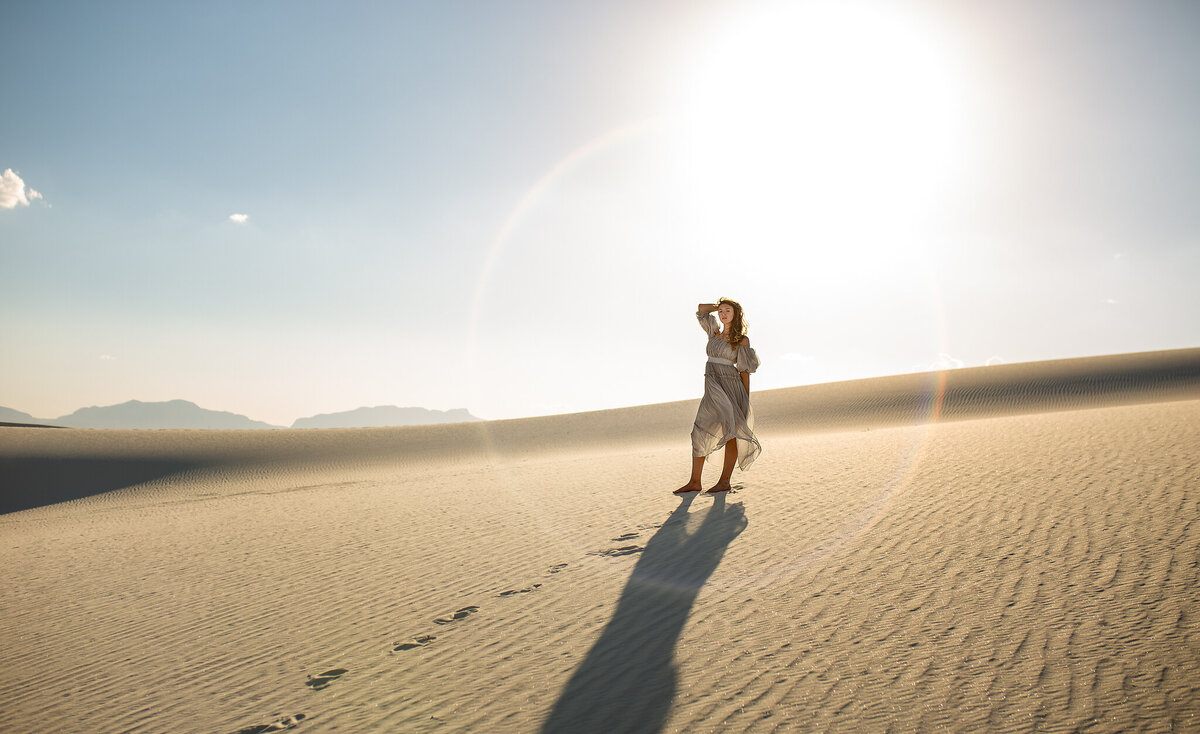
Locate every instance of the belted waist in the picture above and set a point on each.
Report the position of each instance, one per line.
(722, 360)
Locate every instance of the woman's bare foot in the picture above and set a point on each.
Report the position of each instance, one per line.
(721, 486)
(689, 487)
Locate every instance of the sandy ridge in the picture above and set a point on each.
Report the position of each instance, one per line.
(40, 467)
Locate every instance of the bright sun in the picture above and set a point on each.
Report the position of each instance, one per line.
(822, 118)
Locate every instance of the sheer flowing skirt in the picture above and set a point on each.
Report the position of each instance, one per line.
(725, 413)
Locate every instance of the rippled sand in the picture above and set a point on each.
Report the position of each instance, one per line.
(1005, 548)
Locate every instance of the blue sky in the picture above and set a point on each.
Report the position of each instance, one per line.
(514, 207)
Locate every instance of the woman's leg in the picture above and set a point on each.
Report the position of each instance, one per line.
(731, 454)
(694, 484)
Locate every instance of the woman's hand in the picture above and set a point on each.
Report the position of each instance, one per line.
(745, 381)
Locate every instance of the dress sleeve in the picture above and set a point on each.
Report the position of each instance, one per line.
(708, 322)
(747, 360)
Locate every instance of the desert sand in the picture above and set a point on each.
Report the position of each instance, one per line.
(1006, 548)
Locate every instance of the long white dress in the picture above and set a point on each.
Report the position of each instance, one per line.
(725, 412)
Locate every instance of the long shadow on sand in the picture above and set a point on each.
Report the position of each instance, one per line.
(29, 482)
(627, 681)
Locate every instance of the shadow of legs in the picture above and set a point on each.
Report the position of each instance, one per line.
(627, 681)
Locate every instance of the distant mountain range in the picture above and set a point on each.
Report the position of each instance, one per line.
(184, 414)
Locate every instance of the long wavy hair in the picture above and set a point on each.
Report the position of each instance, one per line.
(738, 325)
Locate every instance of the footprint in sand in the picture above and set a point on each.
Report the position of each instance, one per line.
(460, 614)
(625, 550)
(556, 568)
(526, 590)
(287, 722)
(320, 680)
(419, 641)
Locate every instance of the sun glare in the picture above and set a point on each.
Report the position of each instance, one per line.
(826, 119)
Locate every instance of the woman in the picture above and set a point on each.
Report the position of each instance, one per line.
(725, 417)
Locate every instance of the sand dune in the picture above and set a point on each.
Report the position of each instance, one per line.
(41, 469)
(1014, 547)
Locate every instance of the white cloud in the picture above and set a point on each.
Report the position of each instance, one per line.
(239, 218)
(107, 357)
(993, 360)
(12, 191)
(1111, 301)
